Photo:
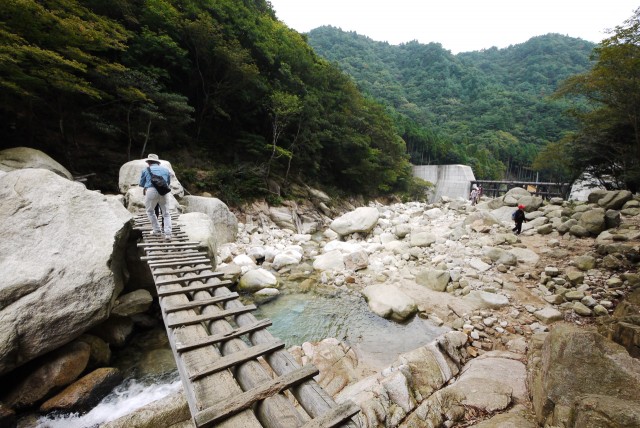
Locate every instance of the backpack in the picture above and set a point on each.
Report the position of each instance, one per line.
(513, 215)
(158, 182)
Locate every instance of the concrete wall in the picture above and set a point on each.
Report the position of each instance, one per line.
(452, 181)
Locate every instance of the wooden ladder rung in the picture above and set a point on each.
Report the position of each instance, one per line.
(189, 289)
(172, 255)
(237, 358)
(178, 262)
(166, 243)
(221, 337)
(171, 246)
(188, 278)
(181, 271)
(200, 302)
(211, 317)
(334, 417)
(247, 399)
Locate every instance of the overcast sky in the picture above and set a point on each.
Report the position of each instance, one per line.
(459, 25)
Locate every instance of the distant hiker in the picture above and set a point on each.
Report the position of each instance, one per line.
(474, 196)
(479, 191)
(153, 198)
(518, 217)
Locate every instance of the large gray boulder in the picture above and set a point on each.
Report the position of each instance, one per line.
(129, 176)
(361, 219)
(62, 262)
(24, 157)
(593, 221)
(200, 228)
(225, 222)
(388, 301)
(615, 199)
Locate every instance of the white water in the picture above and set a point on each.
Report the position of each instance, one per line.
(129, 396)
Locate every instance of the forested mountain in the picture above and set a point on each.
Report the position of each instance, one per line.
(233, 97)
(488, 109)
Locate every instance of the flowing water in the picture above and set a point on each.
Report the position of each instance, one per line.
(297, 318)
(130, 395)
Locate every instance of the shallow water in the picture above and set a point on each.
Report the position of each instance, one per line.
(299, 318)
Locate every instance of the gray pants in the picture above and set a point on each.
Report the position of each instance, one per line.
(151, 199)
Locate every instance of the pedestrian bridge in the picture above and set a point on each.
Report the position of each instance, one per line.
(234, 372)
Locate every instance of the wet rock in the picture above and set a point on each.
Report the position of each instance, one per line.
(85, 392)
(56, 370)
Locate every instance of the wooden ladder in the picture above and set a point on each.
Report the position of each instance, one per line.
(234, 372)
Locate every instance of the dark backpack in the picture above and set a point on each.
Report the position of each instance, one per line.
(518, 215)
(158, 182)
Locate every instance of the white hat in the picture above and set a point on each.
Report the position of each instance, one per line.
(152, 158)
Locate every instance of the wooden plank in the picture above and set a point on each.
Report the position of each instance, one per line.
(334, 417)
(187, 270)
(189, 289)
(237, 358)
(216, 338)
(168, 256)
(187, 278)
(211, 317)
(179, 261)
(201, 302)
(247, 399)
(170, 247)
(154, 244)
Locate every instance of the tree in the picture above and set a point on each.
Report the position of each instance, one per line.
(608, 140)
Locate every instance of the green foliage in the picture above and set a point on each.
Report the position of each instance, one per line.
(418, 190)
(607, 142)
(224, 79)
(454, 108)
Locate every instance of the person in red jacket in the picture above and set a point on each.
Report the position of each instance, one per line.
(519, 217)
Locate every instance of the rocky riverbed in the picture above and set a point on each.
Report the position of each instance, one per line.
(540, 329)
(460, 266)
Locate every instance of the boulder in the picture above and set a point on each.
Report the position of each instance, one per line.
(422, 239)
(388, 301)
(283, 218)
(84, 393)
(434, 279)
(615, 199)
(136, 302)
(593, 221)
(257, 279)
(224, 221)
(25, 157)
(62, 265)
(484, 299)
(513, 196)
(129, 176)
(574, 362)
(361, 219)
(331, 261)
(200, 228)
(54, 371)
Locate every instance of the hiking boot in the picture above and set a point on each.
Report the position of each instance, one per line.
(167, 236)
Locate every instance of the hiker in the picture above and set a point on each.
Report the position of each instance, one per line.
(153, 198)
(518, 217)
(474, 196)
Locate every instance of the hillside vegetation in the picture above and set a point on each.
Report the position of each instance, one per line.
(489, 109)
(234, 98)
